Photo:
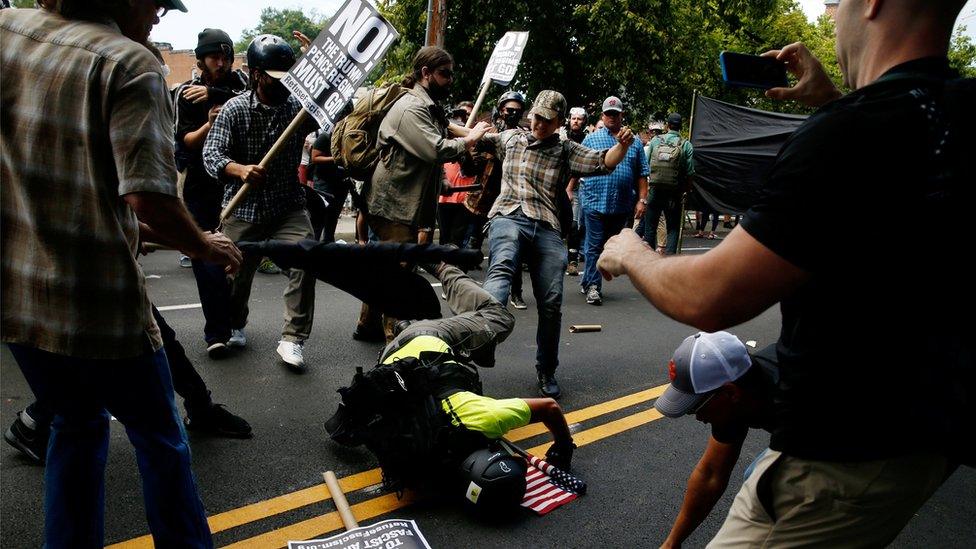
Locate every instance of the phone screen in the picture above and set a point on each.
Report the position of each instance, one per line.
(752, 71)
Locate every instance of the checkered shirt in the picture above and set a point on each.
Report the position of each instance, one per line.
(243, 132)
(616, 192)
(86, 120)
(534, 171)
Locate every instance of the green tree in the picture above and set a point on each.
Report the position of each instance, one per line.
(23, 3)
(281, 23)
(962, 53)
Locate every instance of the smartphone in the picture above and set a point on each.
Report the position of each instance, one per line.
(752, 71)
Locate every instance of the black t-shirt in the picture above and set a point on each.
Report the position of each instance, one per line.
(863, 197)
(190, 116)
(326, 173)
(735, 433)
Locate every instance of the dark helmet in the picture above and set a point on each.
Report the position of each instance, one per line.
(511, 96)
(271, 54)
(495, 480)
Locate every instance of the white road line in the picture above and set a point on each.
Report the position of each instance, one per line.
(180, 307)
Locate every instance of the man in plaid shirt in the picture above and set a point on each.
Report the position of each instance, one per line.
(525, 217)
(246, 128)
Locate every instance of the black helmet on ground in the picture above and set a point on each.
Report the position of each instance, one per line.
(511, 96)
(270, 54)
(494, 480)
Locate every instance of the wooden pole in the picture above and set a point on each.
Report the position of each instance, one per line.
(436, 15)
(348, 520)
(477, 104)
(246, 187)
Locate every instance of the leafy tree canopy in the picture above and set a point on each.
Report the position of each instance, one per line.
(281, 23)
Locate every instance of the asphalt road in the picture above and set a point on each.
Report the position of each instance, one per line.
(268, 490)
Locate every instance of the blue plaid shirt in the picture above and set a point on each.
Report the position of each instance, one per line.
(616, 192)
(244, 131)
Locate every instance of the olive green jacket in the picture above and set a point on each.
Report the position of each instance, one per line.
(413, 147)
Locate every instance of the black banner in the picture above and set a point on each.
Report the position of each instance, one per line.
(734, 147)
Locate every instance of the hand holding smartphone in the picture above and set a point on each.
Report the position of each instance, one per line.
(752, 71)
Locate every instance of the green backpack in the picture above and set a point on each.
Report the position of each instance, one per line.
(354, 137)
(667, 165)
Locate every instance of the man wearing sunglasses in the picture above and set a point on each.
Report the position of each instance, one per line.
(714, 379)
(78, 78)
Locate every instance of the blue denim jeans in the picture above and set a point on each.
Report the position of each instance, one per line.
(513, 239)
(139, 393)
(212, 283)
(599, 228)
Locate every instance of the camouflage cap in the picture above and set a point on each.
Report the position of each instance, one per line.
(549, 104)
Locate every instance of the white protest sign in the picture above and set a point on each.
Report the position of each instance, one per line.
(338, 60)
(387, 534)
(505, 59)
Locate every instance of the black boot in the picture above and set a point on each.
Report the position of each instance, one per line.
(548, 387)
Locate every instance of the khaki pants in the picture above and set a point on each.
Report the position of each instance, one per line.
(299, 294)
(791, 502)
(479, 323)
(387, 231)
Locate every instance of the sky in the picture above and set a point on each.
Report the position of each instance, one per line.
(233, 16)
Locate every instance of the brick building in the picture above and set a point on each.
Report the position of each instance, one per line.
(183, 63)
(831, 7)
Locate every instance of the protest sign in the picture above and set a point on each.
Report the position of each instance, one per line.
(505, 58)
(325, 77)
(501, 67)
(387, 534)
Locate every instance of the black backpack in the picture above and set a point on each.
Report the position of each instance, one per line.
(395, 411)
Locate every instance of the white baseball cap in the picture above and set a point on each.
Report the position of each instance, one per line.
(702, 363)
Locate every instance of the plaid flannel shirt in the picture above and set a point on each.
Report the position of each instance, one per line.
(534, 171)
(615, 192)
(243, 132)
(86, 120)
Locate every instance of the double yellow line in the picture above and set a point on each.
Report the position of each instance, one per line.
(380, 505)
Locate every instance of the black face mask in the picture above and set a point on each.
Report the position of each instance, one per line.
(512, 119)
(275, 92)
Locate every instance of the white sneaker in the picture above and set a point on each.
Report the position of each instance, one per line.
(237, 339)
(291, 353)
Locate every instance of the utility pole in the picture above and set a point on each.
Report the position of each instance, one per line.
(436, 16)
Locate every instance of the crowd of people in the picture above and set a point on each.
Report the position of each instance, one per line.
(839, 470)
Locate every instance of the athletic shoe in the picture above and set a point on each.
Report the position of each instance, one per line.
(291, 353)
(573, 269)
(218, 350)
(518, 302)
(31, 442)
(185, 261)
(237, 338)
(217, 420)
(593, 296)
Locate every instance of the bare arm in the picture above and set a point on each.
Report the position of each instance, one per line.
(548, 412)
(164, 219)
(322, 157)
(706, 485)
(734, 282)
(642, 196)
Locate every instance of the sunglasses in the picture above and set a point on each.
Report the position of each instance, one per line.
(446, 73)
(511, 111)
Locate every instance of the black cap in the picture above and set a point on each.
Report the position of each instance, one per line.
(213, 41)
(674, 119)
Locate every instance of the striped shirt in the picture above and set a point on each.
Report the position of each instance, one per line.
(244, 132)
(534, 171)
(615, 192)
(86, 120)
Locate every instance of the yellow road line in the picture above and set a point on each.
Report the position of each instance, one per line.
(320, 526)
(314, 494)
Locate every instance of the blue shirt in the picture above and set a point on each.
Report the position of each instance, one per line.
(616, 192)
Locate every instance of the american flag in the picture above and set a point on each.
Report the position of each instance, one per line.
(547, 487)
